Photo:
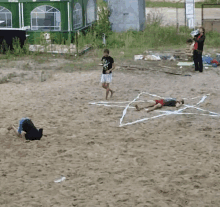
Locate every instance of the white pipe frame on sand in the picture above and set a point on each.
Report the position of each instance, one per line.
(165, 113)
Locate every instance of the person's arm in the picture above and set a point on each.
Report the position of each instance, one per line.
(16, 132)
(201, 39)
(188, 51)
(101, 61)
(191, 47)
(113, 67)
(155, 107)
(178, 104)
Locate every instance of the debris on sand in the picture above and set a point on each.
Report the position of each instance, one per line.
(60, 179)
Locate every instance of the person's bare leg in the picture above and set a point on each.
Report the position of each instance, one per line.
(15, 131)
(111, 91)
(136, 106)
(138, 109)
(149, 104)
(107, 92)
(157, 106)
(104, 86)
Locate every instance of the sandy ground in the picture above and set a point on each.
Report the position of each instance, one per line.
(166, 162)
(169, 16)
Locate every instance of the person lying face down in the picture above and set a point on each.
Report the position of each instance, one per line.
(26, 125)
(155, 104)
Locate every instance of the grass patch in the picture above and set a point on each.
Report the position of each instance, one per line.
(27, 67)
(70, 67)
(41, 59)
(6, 78)
(212, 39)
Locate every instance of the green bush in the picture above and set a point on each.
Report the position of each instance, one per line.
(102, 26)
(213, 39)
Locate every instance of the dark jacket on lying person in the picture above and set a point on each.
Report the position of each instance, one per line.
(31, 131)
(26, 125)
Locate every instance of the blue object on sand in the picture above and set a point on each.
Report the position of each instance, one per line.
(214, 65)
(207, 59)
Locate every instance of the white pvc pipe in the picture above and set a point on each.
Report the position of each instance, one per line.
(19, 9)
(22, 14)
(68, 9)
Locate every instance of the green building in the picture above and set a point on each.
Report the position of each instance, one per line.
(60, 17)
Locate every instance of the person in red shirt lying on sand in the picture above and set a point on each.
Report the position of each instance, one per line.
(162, 102)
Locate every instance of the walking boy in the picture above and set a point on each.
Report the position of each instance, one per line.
(108, 67)
(26, 125)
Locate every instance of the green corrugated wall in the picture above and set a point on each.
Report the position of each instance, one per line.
(29, 5)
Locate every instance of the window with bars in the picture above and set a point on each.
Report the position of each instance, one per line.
(90, 11)
(77, 16)
(45, 18)
(5, 18)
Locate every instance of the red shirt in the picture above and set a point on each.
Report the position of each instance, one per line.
(196, 43)
(160, 101)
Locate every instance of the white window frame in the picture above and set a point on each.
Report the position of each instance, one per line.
(77, 10)
(90, 7)
(6, 12)
(53, 28)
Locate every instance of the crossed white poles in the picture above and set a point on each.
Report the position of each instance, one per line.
(165, 113)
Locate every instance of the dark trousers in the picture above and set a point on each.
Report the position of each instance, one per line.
(197, 58)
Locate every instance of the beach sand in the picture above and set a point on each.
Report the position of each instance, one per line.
(165, 162)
